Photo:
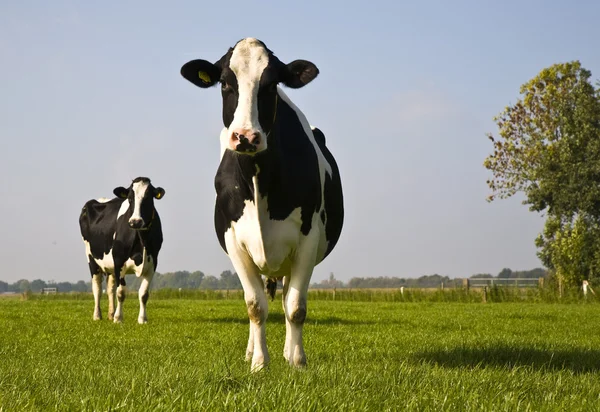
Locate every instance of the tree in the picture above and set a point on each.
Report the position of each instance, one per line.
(229, 280)
(37, 285)
(548, 148)
(22, 285)
(209, 282)
(571, 249)
(505, 273)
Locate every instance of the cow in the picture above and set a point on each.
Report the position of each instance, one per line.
(279, 207)
(122, 236)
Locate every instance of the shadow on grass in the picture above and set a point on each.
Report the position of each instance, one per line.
(577, 361)
(280, 318)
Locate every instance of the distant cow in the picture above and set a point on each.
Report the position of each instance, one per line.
(279, 207)
(122, 236)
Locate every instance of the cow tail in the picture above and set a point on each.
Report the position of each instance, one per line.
(271, 287)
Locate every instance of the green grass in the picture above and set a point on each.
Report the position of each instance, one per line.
(361, 356)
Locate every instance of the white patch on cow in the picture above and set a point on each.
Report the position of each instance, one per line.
(130, 268)
(269, 243)
(139, 191)
(224, 140)
(248, 61)
(106, 264)
(88, 249)
(103, 199)
(123, 209)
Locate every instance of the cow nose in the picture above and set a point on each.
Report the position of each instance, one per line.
(136, 223)
(245, 140)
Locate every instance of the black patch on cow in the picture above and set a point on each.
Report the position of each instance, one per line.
(103, 231)
(334, 199)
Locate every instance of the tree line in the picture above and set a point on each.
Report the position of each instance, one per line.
(172, 280)
(426, 281)
(229, 280)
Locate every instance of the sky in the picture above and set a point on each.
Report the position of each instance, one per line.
(91, 97)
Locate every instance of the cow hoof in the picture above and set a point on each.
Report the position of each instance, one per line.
(258, 367)
(299, 360)
(142, 321)
(259, 363)
(118, 320)
(97, 317)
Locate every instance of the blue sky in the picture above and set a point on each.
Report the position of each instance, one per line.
(91, 97)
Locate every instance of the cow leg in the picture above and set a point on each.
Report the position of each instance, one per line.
(120, 299)
(286, 347)
(250, 347)
(295, 298)
(257, 305)
(144, 294)
(111, 288)
(97, 290)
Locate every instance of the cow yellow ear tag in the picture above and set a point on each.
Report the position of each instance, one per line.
(204, 76)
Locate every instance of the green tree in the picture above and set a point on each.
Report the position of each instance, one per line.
(548, 148)
(571, 249)
(210, 282)
(37, 285)
(229, 280)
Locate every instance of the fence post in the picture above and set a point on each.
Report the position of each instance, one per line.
(334, 293)
(402, 291)
(541, 283)
(466, 284)
(585, 288)
(485, 294)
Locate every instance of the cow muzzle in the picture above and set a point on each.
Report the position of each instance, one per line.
(247, 141)
(136, 223)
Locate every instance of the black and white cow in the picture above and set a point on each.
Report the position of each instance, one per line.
(279, 208)
(122, 236)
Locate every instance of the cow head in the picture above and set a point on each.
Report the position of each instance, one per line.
(249, 74)
(141, 195)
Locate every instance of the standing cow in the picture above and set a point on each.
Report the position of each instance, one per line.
(122, 236)
(279, 208)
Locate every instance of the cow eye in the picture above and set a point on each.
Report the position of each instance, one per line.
(225, 87)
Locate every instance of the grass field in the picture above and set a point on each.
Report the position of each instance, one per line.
(361, 356)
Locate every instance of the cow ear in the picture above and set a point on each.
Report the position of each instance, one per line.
(159, 192)
(121, 192)
(299, 73)
(202, 73)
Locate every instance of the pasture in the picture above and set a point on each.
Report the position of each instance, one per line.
(361, 356)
